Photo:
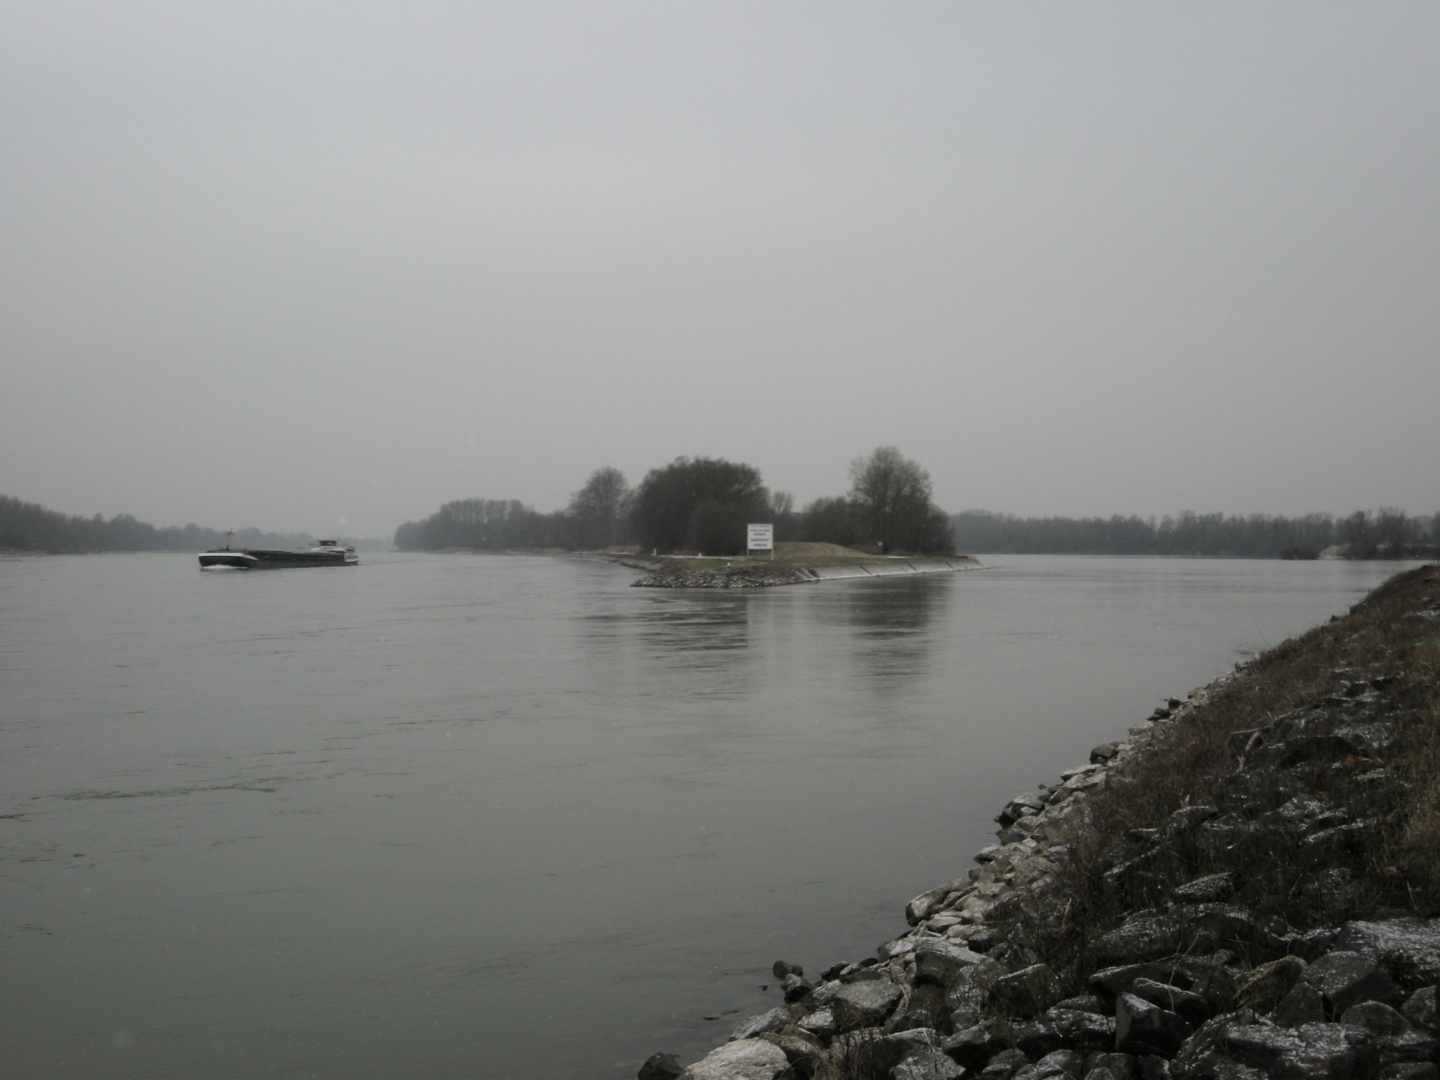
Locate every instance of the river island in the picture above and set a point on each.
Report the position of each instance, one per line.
(788, 564)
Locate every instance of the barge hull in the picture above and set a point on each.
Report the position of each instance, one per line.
(260, 559)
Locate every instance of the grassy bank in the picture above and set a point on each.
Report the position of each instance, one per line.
(1347, 714)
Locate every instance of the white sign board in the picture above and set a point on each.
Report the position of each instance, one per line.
(759, 538)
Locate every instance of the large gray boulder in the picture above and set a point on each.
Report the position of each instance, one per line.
(1345, 978)
(934, 1066)
(1003, 1066)
(1335, 845)
(921, 1057)
(914, 1040)
(1140, 938)
(1191, 1006)
(1114, 981)
(1264, 987)
(865, 1004)
(1302, 1005)
(1021, 806)
(1115, 1066)
(1151, 1067)
(928, 903)
(966, 1001)
(1409, 949)
(794, 987)
(1397, 1039)
(773, 1020)
(821, 1023)
(1209, 889)
(1240, 1045)
(1408, 1048)
(924, 1008)
(975, 1046)
(1197, 928)
(1142, 1027)
(1420, 1009)
(1080, 1030)
(1199, 975)
(660, 1067)
(1064, 1029)
(745, 1059)
(1377, 1018)
(1187, 818)
(940, 961)
(1056, 1065)
(1029, 990)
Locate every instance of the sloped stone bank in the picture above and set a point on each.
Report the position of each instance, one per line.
(1272, 919)
(759, 575)
(721, 577)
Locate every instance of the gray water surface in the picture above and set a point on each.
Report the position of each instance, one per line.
(504, 816)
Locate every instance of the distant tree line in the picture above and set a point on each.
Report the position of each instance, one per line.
(28, 526)
(888, 509)
(1388, 533)
(483, 524)
(701, 505)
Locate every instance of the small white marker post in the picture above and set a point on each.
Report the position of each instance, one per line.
(760, 538)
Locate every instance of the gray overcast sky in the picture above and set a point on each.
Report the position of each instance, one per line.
(324, 266)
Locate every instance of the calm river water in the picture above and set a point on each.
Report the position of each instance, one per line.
(504, 816)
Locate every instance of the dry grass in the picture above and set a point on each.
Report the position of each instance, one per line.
(1204, 761)
(860, 1055)
(795, 549)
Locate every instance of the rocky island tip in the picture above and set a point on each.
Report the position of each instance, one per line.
(791, 564)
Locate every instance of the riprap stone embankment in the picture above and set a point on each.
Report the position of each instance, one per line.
(754, 575)
(1243, 889)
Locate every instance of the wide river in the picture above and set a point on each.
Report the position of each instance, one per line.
(505, 817)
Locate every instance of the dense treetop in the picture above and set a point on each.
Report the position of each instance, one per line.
(699, 504)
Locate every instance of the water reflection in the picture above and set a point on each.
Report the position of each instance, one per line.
(705, 636)
(890, 622)
(696, 621)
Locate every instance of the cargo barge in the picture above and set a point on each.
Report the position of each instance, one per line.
(324, 553)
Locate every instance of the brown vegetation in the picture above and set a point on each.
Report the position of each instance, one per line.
(1379, 666)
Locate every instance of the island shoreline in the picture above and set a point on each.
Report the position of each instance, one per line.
(672, 572)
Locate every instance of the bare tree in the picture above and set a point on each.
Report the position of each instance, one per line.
(891, 495)
(1395, 533)
(1358, 534)
(783, 515)
(598, 511)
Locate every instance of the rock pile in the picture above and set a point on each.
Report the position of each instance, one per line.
(665, 573)
(1249, 943)
(722, 577)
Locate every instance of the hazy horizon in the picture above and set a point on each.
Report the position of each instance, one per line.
(323, 268)
(1426, 519)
